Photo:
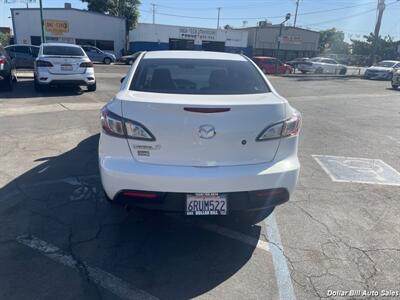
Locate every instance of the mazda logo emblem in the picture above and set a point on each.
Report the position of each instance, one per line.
(206, 131)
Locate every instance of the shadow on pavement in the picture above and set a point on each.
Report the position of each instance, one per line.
(60, 201)
(24, 89)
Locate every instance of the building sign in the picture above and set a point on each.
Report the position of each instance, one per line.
(57, 27)
(197, 33)
(290, 39)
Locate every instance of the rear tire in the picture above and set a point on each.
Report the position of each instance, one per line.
(38, 87)
(395, 86)
(8, 84)
(303, 72)
(107, 61)
(92, 87)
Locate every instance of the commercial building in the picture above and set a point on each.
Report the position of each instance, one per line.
(149, 37)
(69, 25)
(5, 30)
(294, 41)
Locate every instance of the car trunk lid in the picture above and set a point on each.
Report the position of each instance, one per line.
(206, 130)
(65, 64)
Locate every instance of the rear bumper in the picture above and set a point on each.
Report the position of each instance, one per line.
(176, 202)
(121, 173)
(43, 77)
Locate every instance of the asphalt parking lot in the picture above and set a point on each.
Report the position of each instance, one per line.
(60, 239)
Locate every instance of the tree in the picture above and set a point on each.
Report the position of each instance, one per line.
(227, 26)
(386, 48)
(128, 9)
(331, 40)
(4, 39)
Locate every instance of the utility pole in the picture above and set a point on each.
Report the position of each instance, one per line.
(287, 17)
(154, 13)
(219, 11)
(380, 8)
(295, 15)
(42, 21)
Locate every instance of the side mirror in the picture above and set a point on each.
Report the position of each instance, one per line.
(122, 79)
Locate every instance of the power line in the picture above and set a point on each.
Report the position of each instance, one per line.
(259, 18)
(347, 17)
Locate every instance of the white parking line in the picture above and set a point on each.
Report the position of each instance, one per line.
(284, 281)
(393, 139)
(260, 244)
(99, 277)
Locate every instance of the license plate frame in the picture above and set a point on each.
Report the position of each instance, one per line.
(66, 67)
(206, 204)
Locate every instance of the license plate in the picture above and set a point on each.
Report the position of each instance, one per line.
(207, 204)
(66, 67)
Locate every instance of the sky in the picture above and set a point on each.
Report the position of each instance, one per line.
(354, 17)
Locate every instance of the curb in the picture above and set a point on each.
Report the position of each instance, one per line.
(24, 74)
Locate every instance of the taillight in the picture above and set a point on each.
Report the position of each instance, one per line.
(2, 61)
(289, 127)
(292, 126)
(118, 126)
(88, 64)
(43, 63)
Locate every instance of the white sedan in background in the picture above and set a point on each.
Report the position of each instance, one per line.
(321, 65)
(201, 133)
(382, 70)
(63, 64)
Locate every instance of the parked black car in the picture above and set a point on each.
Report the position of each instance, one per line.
(23, 55)
(8, 73)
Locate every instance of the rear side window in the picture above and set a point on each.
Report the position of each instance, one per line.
(62, 50)
(21, 49)
(198, 76)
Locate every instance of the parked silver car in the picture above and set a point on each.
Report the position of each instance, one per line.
(23, 55)
(97, 55)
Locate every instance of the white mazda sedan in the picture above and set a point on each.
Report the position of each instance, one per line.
(201, 133)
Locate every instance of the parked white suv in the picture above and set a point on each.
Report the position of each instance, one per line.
(63, 64)
(320, 65)
(203, 133)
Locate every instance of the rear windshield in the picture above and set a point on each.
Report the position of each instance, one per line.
(198, 76)
(63, 50)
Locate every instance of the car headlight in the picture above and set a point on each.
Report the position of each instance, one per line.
(398, 72)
